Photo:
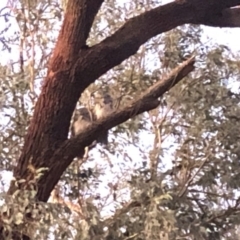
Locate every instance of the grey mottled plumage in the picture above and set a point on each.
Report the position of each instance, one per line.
(81, 120)
(103, 107)
(83, 117)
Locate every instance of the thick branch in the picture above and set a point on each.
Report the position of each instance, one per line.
(76, 26)
(126, 41)
(74, 68)
(228, 18)
(70, 149)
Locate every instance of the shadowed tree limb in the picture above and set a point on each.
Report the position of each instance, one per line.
(228, 18)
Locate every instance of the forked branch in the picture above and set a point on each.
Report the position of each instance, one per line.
(73, 147)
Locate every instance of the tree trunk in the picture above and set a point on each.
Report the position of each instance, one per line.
(73, 67)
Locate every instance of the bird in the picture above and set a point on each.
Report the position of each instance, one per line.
(81, 120)
(103, 107)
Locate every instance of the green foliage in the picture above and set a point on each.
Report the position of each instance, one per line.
(172, 173)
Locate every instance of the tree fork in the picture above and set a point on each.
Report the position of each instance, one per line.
(73, 68)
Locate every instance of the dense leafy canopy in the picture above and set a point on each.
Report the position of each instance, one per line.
(169, 173)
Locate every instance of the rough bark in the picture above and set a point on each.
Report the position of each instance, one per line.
(73, 67)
